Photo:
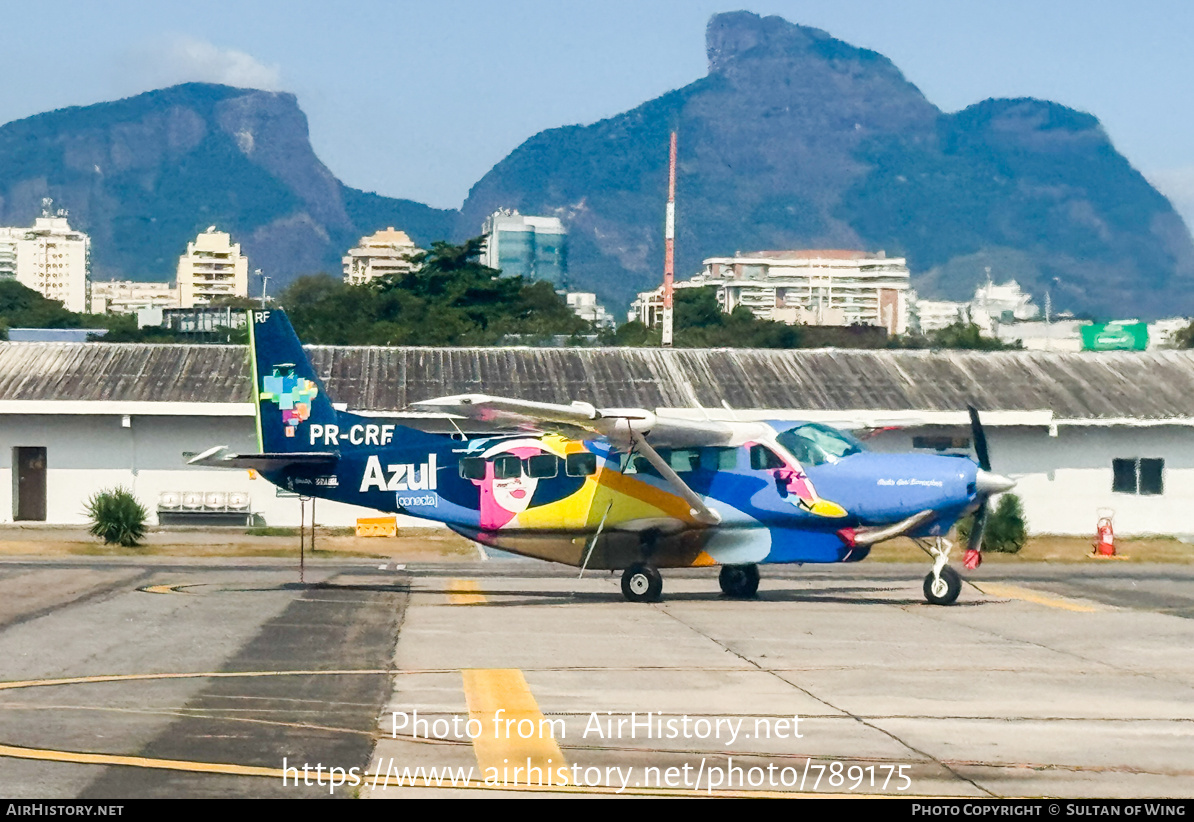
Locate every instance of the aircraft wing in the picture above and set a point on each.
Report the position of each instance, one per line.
(616, 424)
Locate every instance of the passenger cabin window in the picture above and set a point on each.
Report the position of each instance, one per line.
(683, 460)
(814, 444)
(763, 458)
(1143, 476)
(580, 464)
(507, 467)
(543, 466)
(472, 468)
(638, 464)
(720, 459)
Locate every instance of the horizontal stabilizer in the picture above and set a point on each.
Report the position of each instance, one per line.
(221, 457)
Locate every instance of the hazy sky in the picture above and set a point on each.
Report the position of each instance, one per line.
(419, 99)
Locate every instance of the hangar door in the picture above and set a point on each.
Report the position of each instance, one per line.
(29, 469)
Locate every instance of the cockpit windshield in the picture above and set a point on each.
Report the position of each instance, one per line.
(815, 444)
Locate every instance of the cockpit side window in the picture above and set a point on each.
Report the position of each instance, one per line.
(763, 458)
(815, 444)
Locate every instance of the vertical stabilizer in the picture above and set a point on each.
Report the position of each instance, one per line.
(288, 395)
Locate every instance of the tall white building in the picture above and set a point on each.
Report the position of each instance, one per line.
(379, 254)
(813, 287)
(212, 267)
(51, 258)
(535, 248)
(8, 252)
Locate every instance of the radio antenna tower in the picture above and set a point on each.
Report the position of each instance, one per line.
(669, 244)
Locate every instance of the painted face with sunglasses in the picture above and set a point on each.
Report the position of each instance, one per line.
(512, 488)
(508, 488)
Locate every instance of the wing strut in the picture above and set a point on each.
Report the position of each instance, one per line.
(596, 536)
(701, 512)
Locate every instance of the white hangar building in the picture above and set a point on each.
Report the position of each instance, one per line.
(1080, 432)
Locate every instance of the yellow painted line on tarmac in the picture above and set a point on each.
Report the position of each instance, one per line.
(87, 680)
(998, 589)
(465, 592)
(86, 758)
(82, 758)
(166, 589)
(514, 732)
(377, 781)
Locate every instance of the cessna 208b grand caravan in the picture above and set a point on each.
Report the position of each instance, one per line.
(612, 488)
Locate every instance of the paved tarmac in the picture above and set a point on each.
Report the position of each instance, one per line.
(205, 677)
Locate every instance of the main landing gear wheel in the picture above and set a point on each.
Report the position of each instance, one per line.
(641, 583)
(943, 590)
(739, 581)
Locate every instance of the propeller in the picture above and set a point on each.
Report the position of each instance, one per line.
(986, 484)
(980, 439)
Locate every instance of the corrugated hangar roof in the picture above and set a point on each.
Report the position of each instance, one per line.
(1149, 386)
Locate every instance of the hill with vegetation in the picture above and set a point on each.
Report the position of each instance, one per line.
(793, 139)
(797, 140)
(143, 176)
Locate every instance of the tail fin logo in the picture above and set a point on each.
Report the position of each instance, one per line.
(292, 394)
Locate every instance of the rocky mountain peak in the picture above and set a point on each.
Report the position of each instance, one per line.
(144, 174)
(744, 45)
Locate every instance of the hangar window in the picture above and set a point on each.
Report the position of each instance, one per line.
(1144, 476)
(940, 443)
(1151, 479)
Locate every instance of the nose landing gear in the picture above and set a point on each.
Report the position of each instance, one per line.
(943, 583)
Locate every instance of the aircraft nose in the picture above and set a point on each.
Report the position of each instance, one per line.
(987, 483)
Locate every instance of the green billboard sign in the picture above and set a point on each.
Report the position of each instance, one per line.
(1115, 337)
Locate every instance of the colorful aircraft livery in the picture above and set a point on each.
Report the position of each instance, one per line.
(615, 488)
(292, 395)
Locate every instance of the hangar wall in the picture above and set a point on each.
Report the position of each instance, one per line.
(1065, 481)
(90, 453)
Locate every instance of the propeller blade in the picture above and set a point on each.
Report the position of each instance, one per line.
(980, 439)
(975, 542)
(974, 545)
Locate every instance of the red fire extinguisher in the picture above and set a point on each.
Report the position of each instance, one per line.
(1105, 534)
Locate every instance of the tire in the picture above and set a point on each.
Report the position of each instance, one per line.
(641, 583)
(739, 581)
(946, 591)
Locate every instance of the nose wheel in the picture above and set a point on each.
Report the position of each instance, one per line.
(943, 589)
(641, 583)
(943, 583)
(739, 581)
